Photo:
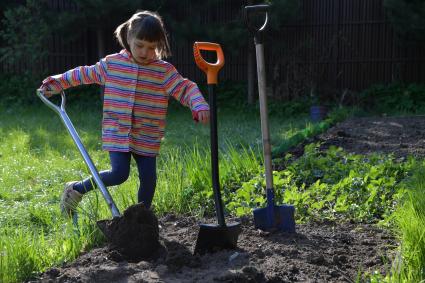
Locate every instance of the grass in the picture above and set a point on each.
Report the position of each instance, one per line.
(37, 157)
(410, 221)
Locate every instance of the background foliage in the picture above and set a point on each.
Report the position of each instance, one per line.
(25, 29)
(396, 98)
(408, 18)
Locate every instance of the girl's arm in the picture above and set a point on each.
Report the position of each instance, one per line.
(78, 76)
(185, 91)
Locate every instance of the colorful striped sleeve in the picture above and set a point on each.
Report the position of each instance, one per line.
(184, 91)
(94, 74)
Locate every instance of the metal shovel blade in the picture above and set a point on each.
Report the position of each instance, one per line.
(212, 237)
(282, 220)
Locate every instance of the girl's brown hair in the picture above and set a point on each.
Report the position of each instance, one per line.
(144, 25)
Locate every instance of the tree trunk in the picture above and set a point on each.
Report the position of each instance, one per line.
(251, 73)
(100, 43)
(100, 54)
(251, 67)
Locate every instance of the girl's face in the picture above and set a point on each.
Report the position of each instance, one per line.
(143, 51)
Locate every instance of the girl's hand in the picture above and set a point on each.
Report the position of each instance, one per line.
(204, 117)
(47, 92)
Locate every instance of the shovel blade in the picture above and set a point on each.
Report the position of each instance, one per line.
(213, 237)
(284, 219)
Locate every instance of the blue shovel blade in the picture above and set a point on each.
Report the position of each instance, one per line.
(281, 218)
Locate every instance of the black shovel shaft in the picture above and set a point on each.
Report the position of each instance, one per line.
(214, 156)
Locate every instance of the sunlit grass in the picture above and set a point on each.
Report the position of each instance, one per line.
(410, 265)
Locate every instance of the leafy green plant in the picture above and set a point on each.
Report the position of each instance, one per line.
(331, 186)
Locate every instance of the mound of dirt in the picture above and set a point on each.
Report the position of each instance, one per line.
(134, 235)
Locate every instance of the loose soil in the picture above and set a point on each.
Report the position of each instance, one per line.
(400, 136)
(317, 252)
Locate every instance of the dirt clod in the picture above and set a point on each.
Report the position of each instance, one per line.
(135, 234)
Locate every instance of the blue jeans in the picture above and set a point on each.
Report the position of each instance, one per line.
(120, 163)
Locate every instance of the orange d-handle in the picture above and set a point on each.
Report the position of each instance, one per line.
(211, 69)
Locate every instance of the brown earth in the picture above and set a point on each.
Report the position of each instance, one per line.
(400, 136)
(327, 252)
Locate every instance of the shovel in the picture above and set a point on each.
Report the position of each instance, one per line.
(213, 237)
(273, 217)
(134, 233)
(70, 127)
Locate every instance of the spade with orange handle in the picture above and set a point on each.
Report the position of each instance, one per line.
(212, 237)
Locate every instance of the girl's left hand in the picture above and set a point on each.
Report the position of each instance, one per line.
(204, 117)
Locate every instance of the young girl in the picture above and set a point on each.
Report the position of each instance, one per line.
(138, 84)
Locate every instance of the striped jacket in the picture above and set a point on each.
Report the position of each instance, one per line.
(135, 99)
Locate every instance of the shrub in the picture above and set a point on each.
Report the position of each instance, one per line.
(394, 98)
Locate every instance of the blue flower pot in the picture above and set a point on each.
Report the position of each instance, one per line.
(318, 113)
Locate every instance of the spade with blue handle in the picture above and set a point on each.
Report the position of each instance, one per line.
(273, 217)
